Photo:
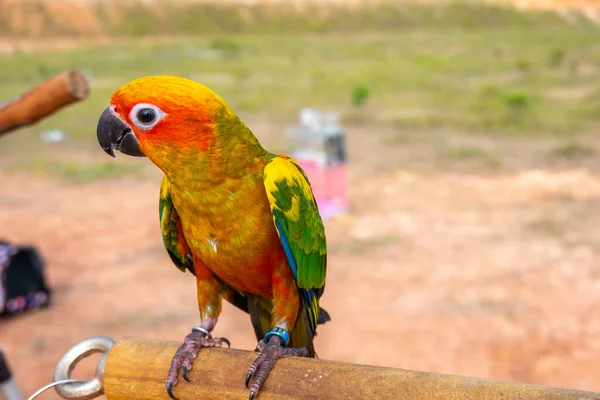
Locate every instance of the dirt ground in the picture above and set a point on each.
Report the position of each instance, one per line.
(441, 266)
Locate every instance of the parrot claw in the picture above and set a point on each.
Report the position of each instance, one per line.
(226, 341)
(264, 363)
(185, 355)
(248, 376)
(184, 372)
(170, 390)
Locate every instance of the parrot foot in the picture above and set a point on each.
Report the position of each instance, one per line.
(269, 354)
(187, 352)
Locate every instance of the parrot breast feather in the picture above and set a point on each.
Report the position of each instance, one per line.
(177, 246)
(300, 229)
(172, 234)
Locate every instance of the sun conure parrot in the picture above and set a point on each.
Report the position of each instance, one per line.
(242, 220)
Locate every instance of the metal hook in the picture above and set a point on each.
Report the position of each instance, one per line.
(69, 388)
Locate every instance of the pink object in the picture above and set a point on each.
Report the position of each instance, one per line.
(330, 187)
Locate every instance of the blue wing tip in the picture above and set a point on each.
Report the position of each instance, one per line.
(286, 248)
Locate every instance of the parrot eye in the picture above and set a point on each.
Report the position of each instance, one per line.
(146, 116)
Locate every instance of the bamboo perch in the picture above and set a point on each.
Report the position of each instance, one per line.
(43, 100)
(136, 369)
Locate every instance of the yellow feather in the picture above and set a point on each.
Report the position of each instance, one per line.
(287, 168)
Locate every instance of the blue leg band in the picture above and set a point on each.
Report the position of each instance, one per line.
(282, 333)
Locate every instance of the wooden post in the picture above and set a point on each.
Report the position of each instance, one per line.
(136, 369)
(43, 100)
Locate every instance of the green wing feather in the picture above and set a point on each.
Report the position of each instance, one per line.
(300, 228)
(170, 228)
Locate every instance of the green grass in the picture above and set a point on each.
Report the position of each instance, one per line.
(573, 150)
(472, 68)
(71, 169)
(80, 173)
(469, 153)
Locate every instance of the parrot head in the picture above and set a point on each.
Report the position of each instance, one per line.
(160, 116)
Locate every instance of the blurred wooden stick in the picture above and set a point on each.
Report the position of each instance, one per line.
(43, 100)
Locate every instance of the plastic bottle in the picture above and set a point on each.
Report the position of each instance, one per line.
(318, 144)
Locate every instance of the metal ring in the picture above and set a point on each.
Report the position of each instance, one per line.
(88, 389)
(202, 330)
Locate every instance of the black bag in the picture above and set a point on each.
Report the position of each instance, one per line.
(22, 283)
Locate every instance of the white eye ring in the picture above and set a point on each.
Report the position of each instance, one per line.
(146, 116)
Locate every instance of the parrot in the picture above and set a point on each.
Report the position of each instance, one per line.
(240, 219)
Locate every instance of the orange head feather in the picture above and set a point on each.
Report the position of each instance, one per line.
(186, 111)
(173, 119)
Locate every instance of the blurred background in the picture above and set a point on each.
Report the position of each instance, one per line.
(472, 243)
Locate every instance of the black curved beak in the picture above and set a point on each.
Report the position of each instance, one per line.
(115, 134)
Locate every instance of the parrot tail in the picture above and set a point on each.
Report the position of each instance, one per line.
(301, 336)
(323, 316)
